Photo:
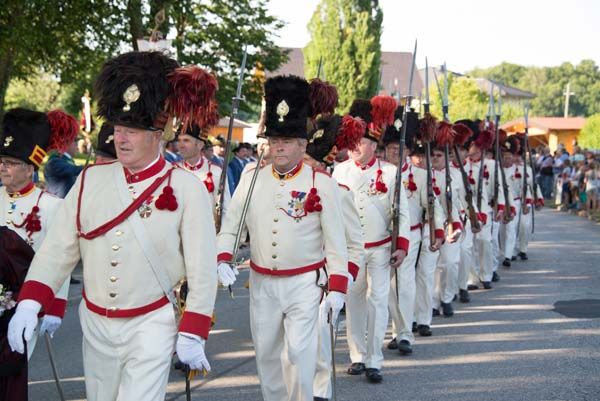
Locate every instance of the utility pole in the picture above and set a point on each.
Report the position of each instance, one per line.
(568, 95)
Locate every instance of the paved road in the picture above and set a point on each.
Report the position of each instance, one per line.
(507, 344)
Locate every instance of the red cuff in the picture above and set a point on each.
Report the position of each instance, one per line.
(353, 269)
(224, 257)
(457, 225)
(439, 233)
(402, 243)
(338, 283)
(528, 201)
(513, 211)
(500, 208)
(482, 217)
(539, 202)
(195, 323)
(37, 291)
(57, 308)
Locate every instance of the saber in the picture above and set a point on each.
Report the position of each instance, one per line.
(333, 340)
(61, 394)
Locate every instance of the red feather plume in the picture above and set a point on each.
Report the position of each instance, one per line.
(351, 132)
(382, 110)
(485, 139)
(445, 134)
(461, 133)
(63, 130)
(428, 128)
(323, 97)
(192, 99)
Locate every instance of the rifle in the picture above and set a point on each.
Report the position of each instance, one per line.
(498, 165)
(532, 165)
(235, 103)
(448, 189)
(397, 188)
(430, 194)
(488, 120)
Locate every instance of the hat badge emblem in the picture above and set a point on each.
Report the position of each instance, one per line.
(398, 124)
(131, 95)
(7, 141)
(282, 110)
(109, 139)
(318, 134)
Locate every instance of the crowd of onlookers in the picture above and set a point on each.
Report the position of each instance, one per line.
(571, 179)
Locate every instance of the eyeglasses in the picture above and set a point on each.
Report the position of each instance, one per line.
(10, 163)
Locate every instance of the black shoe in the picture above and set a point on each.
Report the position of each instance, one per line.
(464, 297)
(472, 287)
(414, 327)
(75, 281)
(495, 277)
(424, 330)
(523, 256)
(404, 347)
(447, 309)
(374, 375)
(435, 312)
(506, 262)
(357, 368)
(487, 285)
(320, 399)
(392, 344)
(513, 258)
(178, 365)
(454, 298)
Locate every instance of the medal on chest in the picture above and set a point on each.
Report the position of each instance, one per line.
(144, 210)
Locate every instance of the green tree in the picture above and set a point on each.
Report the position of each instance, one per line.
(346, 34)
(41, 91)
(589, 137)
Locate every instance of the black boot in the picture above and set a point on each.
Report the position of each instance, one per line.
(435, 312)
(392, 344)
(495, 277)
(464, 297)
(424, 330)
(414, 327)
(523, 256)
(357, 368)
(513, 258)
(320, 399)
(472, 287)
(404, 347)
(506, 262)
(447, 309)
(374, 375)
(487, 285)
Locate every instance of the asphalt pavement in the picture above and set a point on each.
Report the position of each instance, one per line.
(507, 344)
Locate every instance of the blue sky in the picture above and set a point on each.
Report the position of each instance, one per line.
(471, 33)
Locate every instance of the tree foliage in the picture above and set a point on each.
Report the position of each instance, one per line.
(345, 35)
(589, 137)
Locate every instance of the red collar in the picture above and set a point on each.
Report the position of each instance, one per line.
(290, 174)
(148, 172)
(405, 167)
(195, 167)
(26, 190)
(368, 165)
(456, 165)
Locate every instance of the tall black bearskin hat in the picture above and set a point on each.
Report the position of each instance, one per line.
(148, 89)
(361, 108)
(287, 106)
(332, 134)
(510, 144)
(106, 141)
(393, 131)
(29, 135)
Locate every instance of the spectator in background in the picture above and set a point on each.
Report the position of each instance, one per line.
(171, 154)
(545, 166)
(61, 171)
(591, 182)
(236, 166)
(218, 151)
(208, 150)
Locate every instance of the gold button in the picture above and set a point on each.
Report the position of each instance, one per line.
(274, 244)
(130, 188)
(275, 219)
(274, 231)
(113, 294)
(114, 263)
(274, 256)
(119, 233)
(113, 308)
(113, 279)
(362, 225)
(115, 247)
(8, 221)
(10, 211)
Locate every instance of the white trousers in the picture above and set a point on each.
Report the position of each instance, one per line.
(402, 310)
(495, 245)
(466, 257)
(425, 280)
(367, 308)
(508, 234)
(483, 255)
(522, 244)
(446, 274)
(322, 386)
(283, 318)
(127, 359)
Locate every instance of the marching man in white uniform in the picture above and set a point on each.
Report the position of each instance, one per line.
(29, 211)
(508, 229)
(295, 222)
(330, 135)
(372, 181)
(139, 226)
